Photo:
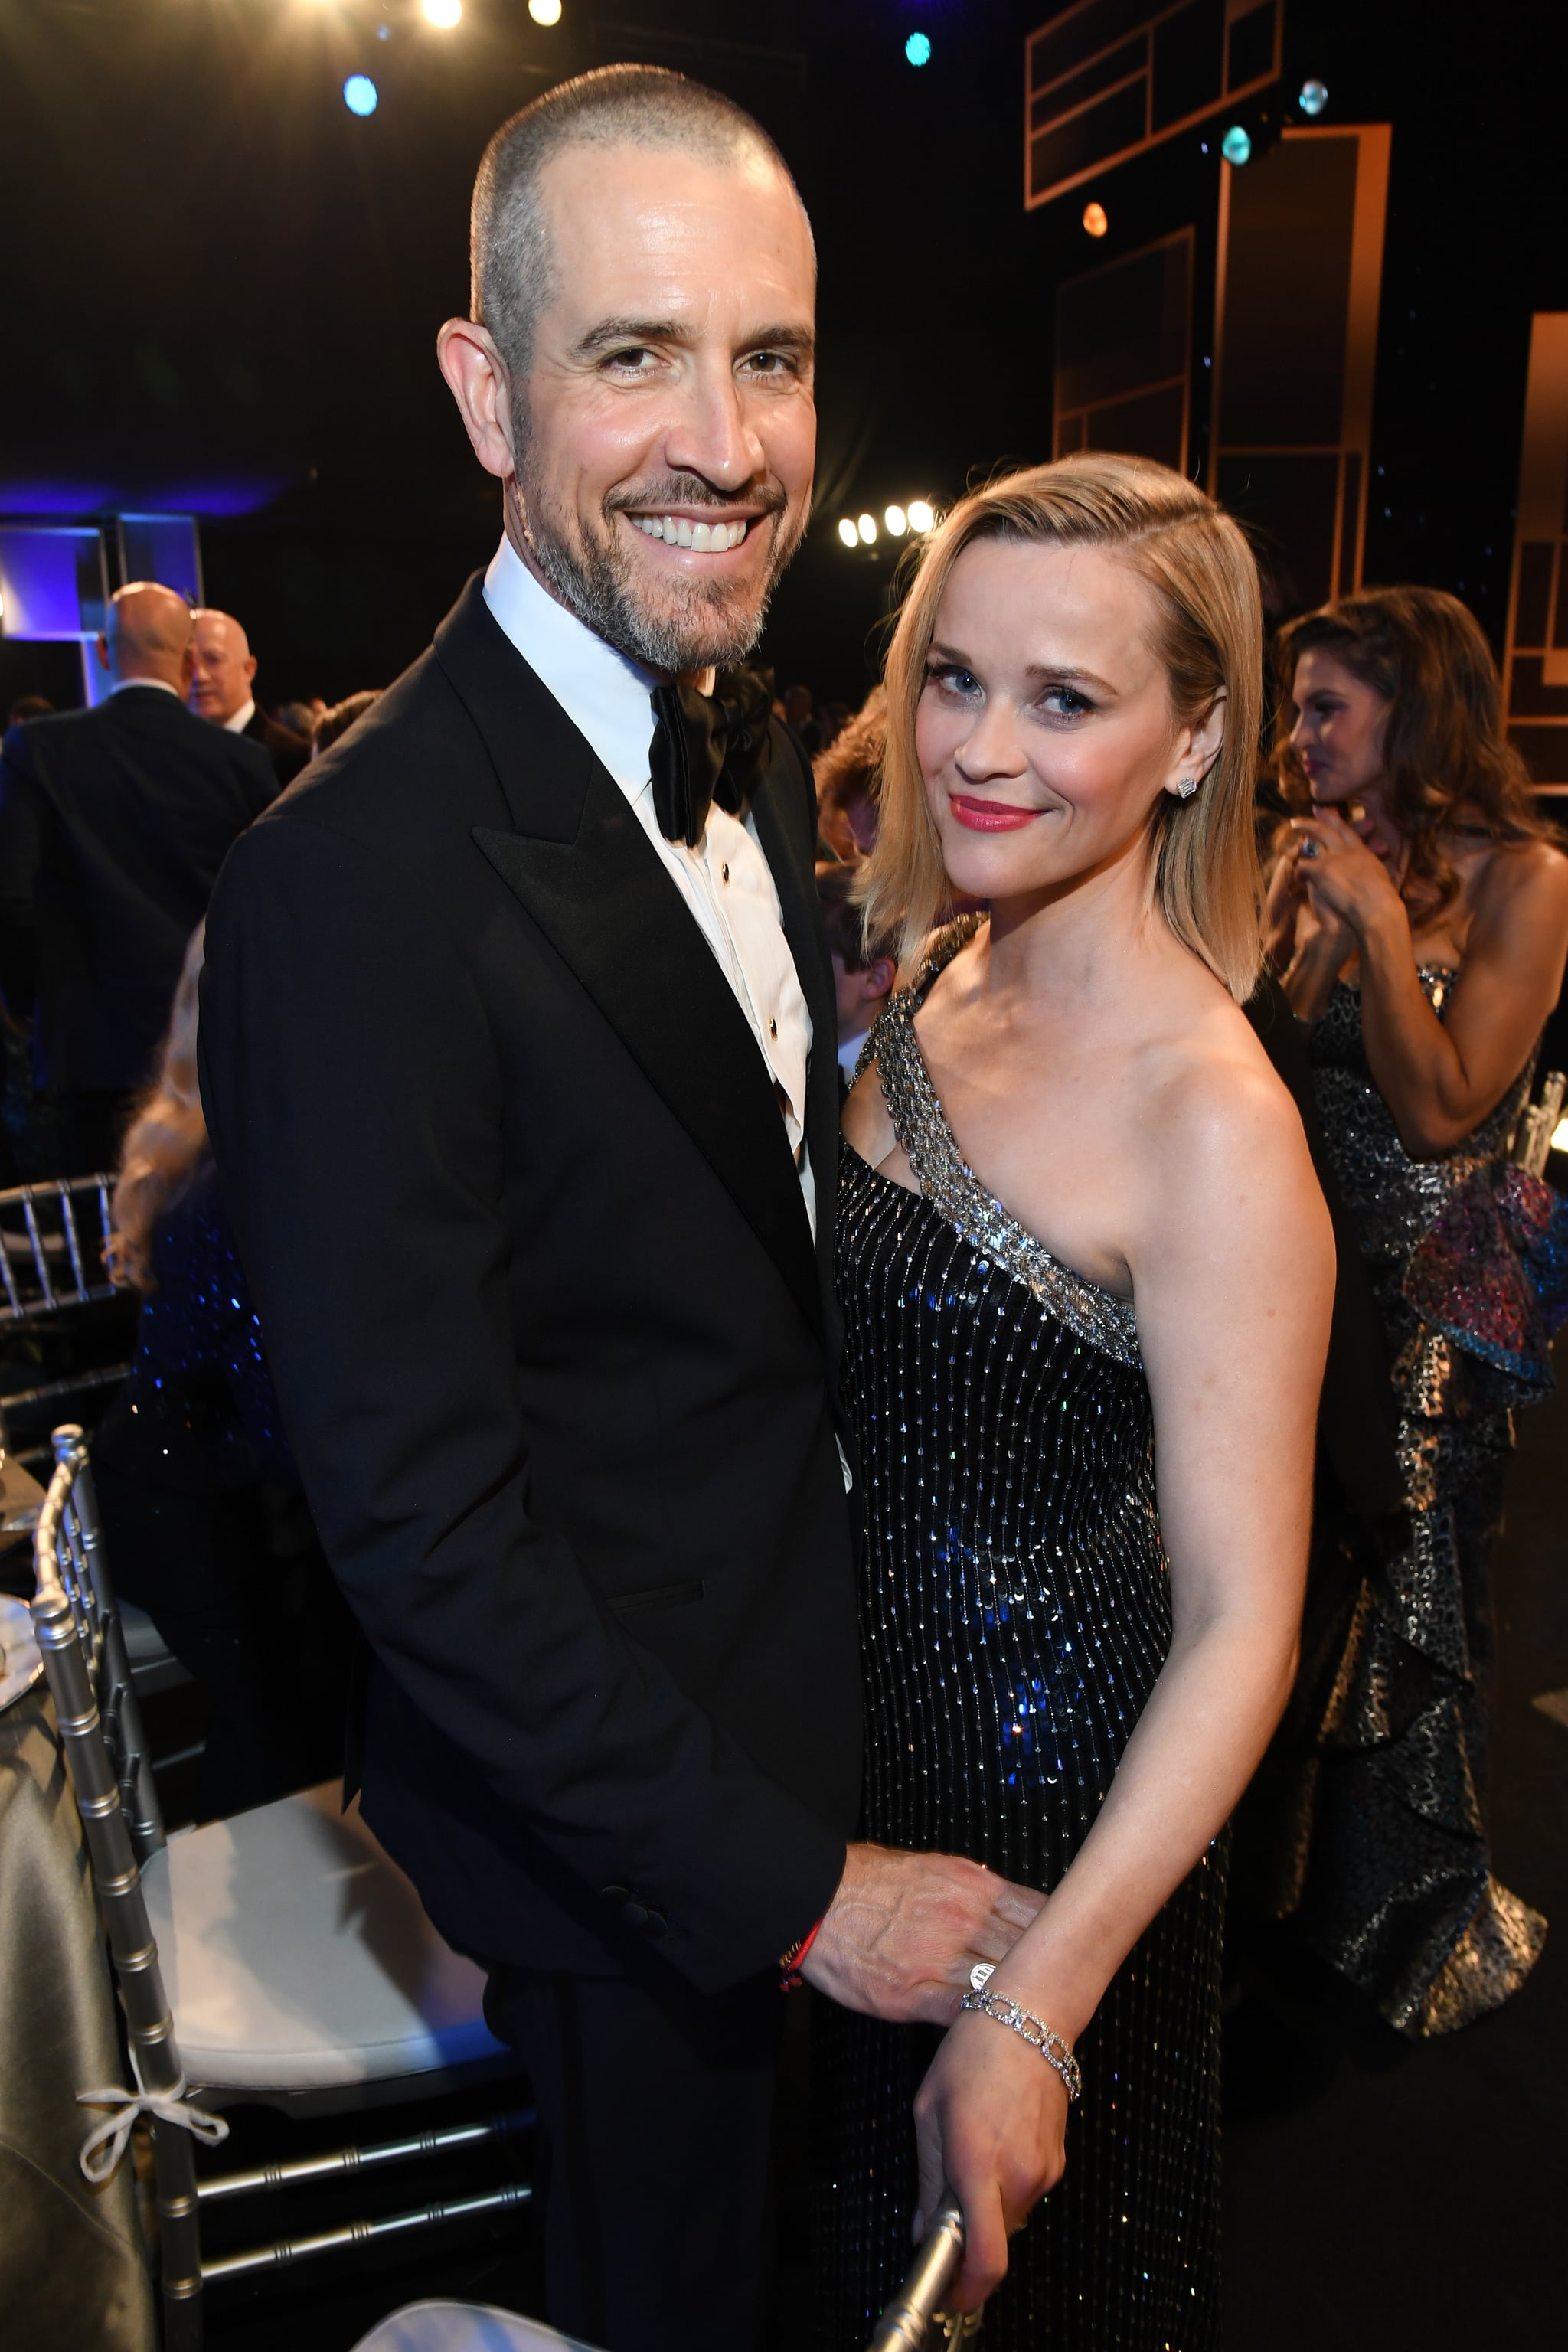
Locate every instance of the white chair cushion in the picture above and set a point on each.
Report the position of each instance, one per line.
(297, 1957)
(462, 2327)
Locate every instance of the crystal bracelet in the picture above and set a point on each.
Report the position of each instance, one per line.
(1056, 2052)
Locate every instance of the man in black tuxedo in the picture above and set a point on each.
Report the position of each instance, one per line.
(223, 683)
(518, 1047)
(113, 824)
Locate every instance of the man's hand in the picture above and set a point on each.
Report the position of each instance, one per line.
(904, 1930)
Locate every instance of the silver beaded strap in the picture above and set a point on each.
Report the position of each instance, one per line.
(1039, 2036)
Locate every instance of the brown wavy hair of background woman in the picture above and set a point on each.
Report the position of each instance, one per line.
(1446, 757)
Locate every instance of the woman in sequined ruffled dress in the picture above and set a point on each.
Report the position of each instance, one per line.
(1420, 921)
(1085, 1274)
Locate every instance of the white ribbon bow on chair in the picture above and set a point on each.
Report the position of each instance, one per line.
(104, 2148)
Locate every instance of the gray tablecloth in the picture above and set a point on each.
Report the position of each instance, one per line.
(73, 2272)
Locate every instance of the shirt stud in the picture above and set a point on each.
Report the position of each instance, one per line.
(723, 874)
(772, 1028)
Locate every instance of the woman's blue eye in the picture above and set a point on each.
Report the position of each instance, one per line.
(1068, 701)
(949, 675)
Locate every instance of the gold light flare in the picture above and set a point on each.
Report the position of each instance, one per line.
(1094, 219)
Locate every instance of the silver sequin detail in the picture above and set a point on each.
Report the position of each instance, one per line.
(951, 1186)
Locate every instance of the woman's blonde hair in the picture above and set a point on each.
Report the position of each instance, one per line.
(167, 1139)
(1203, 865)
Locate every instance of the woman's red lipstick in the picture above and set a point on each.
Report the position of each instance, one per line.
(990, 816)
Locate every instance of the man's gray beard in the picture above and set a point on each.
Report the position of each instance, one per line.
(596, 583)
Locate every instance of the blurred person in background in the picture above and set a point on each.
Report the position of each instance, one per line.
(863, 974)
(223, 680)
(800, 712)
(832, 720)
(848, 780)
(205, 1524)
(1417, 915)
(113, 824)
(333, 723)
(28, 706)
(299, 718)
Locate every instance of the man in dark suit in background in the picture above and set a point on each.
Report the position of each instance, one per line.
(113, 824)
(517, 1053)
(223, 680)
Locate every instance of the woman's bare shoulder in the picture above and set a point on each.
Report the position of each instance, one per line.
(1221, 1125)
(1522, 873)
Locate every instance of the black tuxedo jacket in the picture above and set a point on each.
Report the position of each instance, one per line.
(549, 1334)
(289, 753)
(113, 825)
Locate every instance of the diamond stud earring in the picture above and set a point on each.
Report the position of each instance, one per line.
(1187, 787)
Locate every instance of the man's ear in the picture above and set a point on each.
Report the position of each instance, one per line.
(103, 651)
(879, 976)
(476, 378)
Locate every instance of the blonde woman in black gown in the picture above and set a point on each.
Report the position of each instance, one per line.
(1085, 1273)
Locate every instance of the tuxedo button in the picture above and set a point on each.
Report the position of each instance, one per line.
(655, 1925)
(616, 1893)
(634, 1915)
(772, 1028)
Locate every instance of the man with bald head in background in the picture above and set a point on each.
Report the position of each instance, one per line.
(517, 1053)
(223, 684)
(113, 824)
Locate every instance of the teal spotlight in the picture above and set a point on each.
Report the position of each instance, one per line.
(1236, 146)
(917, 48)
(1314, 96)
(360, 95)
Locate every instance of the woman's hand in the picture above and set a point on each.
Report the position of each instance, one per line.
(990, 2121)
(1345, 882)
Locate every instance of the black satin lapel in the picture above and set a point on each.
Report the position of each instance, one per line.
(614, 914)
(787, 835)
(588, 875)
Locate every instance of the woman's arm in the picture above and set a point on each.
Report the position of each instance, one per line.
(1440, 1078)
(1234, 1271)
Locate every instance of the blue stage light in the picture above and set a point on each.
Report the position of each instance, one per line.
(1236, 146)
(360, 95)
(917, 48)
(1314, 96)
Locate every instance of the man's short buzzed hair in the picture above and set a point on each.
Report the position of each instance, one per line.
(511, 261)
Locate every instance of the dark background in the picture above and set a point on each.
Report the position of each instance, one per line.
(222, 288)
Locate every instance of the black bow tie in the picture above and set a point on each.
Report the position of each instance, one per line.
(707, 748)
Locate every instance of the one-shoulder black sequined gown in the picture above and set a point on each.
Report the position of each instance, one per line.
(1015, 1614)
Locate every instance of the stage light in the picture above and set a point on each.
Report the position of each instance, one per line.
(442, 13)
(1094, 219)
(1236, 146)
(897, 521)
(920, 515)
(1560, 1136)
(917, 48)
(1314, 96)
(544, 12)
(847, 533)
(360, 95)
(866, 527)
